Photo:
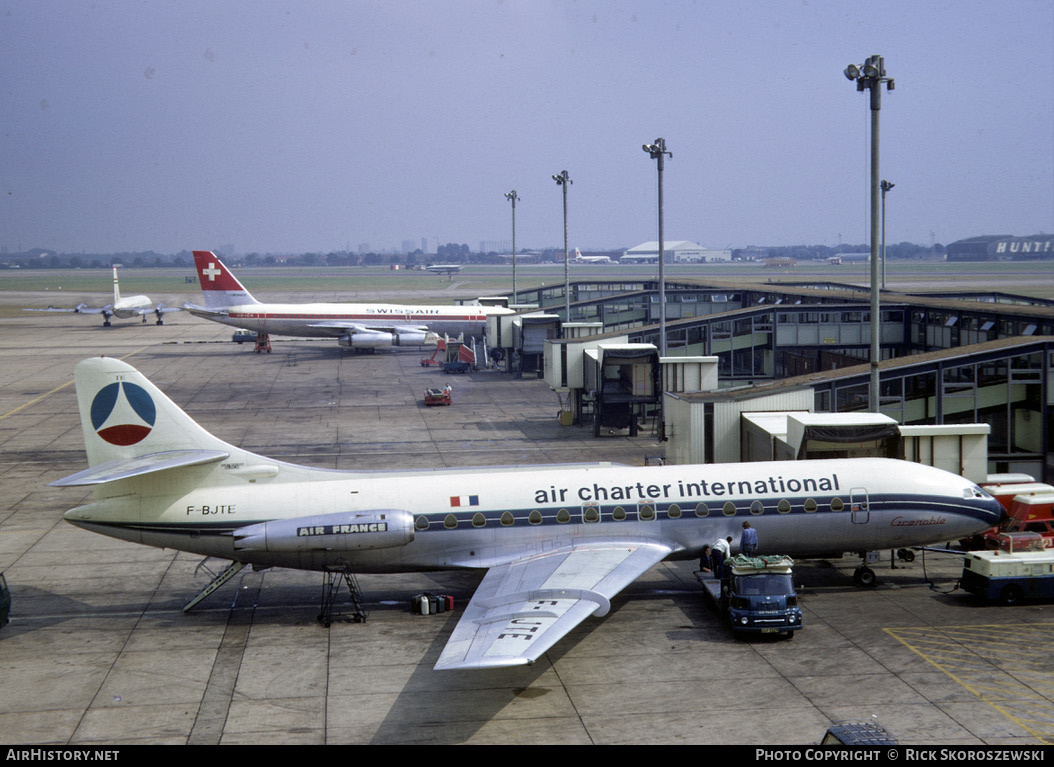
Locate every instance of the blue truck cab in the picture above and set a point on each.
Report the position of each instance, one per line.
(757, 594)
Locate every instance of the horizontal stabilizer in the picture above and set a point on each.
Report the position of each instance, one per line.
(201, 311)
(125, 468)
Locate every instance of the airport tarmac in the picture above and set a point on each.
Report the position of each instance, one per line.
(98, 651)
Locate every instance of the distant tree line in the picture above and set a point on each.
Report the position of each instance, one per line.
(38, 258)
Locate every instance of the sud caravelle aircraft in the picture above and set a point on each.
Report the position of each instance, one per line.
(444, 268)
(122, 308)
(580, 259)
(355, 326)
(557, 542)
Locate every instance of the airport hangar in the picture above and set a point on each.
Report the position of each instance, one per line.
(948, 358)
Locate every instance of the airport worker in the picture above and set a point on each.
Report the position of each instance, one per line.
(720, 551)
(748, 542)
(706, 562)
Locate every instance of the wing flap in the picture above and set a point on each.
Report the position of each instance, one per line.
(125, 468)
(521, 609)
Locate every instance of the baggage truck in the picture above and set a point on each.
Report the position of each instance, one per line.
(1019, 568)
(757, 594)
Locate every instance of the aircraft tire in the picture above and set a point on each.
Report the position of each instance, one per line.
(864, 576)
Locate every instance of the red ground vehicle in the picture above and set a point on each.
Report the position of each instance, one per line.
(438, 396)
(1028, 514)
(1016, 486)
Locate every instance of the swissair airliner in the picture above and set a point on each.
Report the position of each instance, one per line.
(557, 542)
(355, 326)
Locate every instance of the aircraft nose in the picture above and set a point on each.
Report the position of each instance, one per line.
(995, 510)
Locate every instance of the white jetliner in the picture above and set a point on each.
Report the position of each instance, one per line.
(355, 326)
(444, 268)
(580, 259)
(558, 542)
(121, 308)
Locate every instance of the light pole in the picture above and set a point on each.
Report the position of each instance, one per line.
(511, 197)
(563, 180)
(657, 152)
(886, 186)
(870, 77)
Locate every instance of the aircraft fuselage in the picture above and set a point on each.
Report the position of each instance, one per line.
(298, 319)
(288, 516)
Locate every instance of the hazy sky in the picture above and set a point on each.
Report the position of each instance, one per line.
(307, 125)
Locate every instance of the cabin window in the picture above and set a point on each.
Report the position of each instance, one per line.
(702, 510)
(421, 523)
(837, 504)
(729, 509)
(674, 512)
(810, 505)
(535, 517)
(478, 520)
(450, 522)
(618, 514)
(784, 506)
(757, 507)
(591, 514)
(507, 519)
(646, 512)
(563, 516)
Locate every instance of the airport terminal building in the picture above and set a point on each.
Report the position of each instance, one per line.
(946, 359)
(1002, 247)
(677, 252)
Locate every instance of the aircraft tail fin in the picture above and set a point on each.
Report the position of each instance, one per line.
(218, 284)
(116, 288)
(131, 426)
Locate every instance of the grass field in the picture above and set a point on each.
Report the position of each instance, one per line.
(61, 287)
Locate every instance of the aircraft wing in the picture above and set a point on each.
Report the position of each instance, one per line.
(523, 608)
(78, 309)
(368, 327)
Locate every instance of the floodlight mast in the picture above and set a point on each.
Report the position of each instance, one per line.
(563, 181)
(870, 76)
(511, 197)
(886, 186)
(657, 151)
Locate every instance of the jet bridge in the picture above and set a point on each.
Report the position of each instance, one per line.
(623, 380)
(520, 339)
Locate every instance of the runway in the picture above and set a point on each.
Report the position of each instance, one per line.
(99, 652)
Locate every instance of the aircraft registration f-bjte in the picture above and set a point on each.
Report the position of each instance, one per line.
(557, 542)
(355, 326)
(122, 308)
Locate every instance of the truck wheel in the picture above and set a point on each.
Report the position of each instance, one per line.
(790, 635)
(1011, 595)
(864, 576)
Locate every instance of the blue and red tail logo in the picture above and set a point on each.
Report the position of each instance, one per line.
(123, 413)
